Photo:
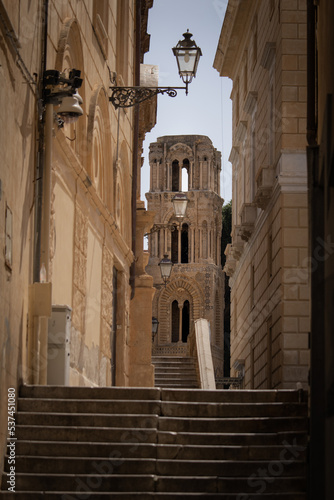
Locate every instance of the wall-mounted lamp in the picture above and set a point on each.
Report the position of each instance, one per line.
(155, 324)
(62, 91)
(187, 56)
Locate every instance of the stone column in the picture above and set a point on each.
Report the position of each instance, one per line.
(141, 370)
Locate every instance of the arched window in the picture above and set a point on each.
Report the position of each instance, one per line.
(185, 175)
(175, 176)
(175, 246)
(185, 320)
(184, 244)
(175, 321)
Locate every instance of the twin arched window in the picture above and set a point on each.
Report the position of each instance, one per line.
(180, 321)
(180, 255)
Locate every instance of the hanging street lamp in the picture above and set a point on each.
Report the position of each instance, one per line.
(165, 268)
(187, 55)
(180, 202)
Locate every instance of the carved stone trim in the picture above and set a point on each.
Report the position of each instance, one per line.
(250, 102)
(248, 216)
(268, 54)
(241, 131)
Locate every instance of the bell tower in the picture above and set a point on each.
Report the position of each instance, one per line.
(188, 164)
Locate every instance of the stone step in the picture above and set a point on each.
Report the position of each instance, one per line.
(175, 372)
(151, 483)
(242, 425)
(177, 385)
(232, 453)
(102, 434)
(168, 408)
(94, 406)
(179, 466)
(232, 439)
(183, 381)
(214, 410)
(87, 448)
(234, 396)
(91, 393)
(87, 420)
(87, 443)
(92, 495)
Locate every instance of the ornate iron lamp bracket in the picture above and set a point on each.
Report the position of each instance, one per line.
(126, 97)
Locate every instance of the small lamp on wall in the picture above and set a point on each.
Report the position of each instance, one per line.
(155, 324)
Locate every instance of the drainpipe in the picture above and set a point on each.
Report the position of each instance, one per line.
(40, 155)
(135, 146)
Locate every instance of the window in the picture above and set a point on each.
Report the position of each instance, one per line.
(122, 42)
(236, 103)
(254, 42)
(185, 320)
(175, 176)
(270, 256)
(184, 244)
(272, 124)
(100, 21)
(252, 286)
(175, 321)
(252, 160)
(175, 246)
(271, 8)
(180, 321)
(185, 175)
(245, 73)
(9, 237)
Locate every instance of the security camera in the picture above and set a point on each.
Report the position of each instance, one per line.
(70, 109)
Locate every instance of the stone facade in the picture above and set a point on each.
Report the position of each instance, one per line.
(88, 251)
(196, 287)
(262, 48)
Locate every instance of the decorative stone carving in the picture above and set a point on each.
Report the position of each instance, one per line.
(248, 217)
(264, 187)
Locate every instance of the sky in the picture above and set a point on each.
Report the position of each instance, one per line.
(207, 109)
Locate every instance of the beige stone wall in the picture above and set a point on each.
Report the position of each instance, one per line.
(262, 47)
(18, 153)
(91, 189)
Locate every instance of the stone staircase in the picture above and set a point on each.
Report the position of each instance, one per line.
(175, 372)
(124, 443)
